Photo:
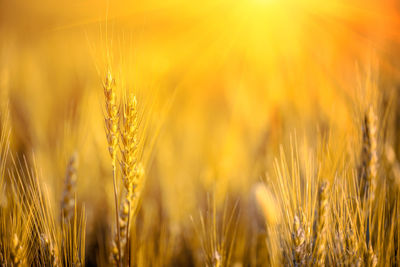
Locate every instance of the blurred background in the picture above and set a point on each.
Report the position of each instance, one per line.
(222, 84)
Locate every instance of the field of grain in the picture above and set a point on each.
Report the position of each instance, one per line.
(200, 133)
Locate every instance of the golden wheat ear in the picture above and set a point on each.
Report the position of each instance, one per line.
(111, 119)
(132, 173)
(129, 146)
(111, 116)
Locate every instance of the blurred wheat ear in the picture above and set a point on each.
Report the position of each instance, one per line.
(369, 157)
(216, 230)
(270, 210)
(68, 199)
(321, 225)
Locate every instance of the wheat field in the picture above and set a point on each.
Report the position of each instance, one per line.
(200, 133)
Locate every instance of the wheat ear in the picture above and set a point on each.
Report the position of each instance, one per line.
(49, 252)
(132, 170)
(111, 117)
(111, 126)
(129, 146)
(299, 243)
(68, 199)
(370, 166)
(369, 157)
(321, 225)
(353, 258)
